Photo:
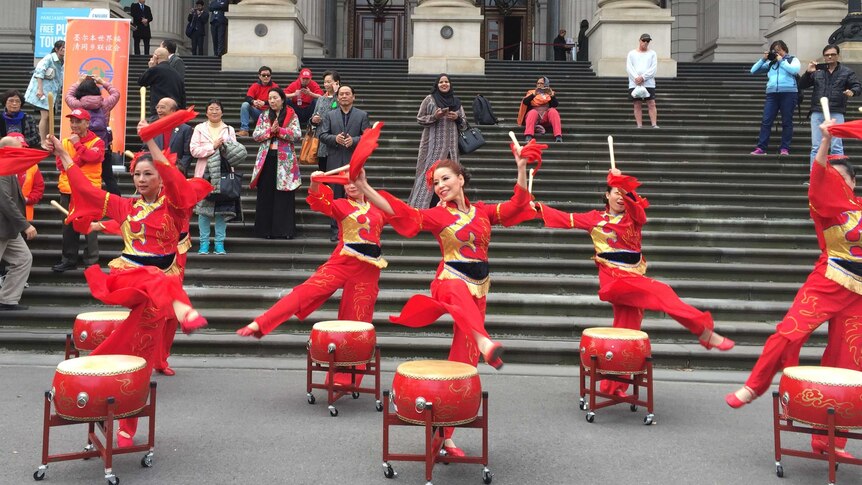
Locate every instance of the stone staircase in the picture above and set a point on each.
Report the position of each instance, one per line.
(730, 232)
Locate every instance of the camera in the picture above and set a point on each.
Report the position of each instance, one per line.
(771, 56)
(822, 66)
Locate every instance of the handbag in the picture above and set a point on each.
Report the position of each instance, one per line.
(190, 28)
(229, 186)
(470, 139)
(310, 144)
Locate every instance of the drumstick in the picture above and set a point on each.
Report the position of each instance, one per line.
(530, 181)
(143, 103)
(51, 113)
(336, 170)
(515, 142)
(129, 154)
(59, 207)
(611, 149)
(824, 103)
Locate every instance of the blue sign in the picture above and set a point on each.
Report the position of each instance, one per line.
(51, 27)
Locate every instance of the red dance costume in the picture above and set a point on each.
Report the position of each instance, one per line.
(462, 281)
(145, 278)
(617, 242)
(833, 290)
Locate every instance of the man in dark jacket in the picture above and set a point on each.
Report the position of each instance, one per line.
(142, 17)
(199, 19)
(836, 82)
(181, 136)
(162, 80)
(13, 249)
(218, 25)
(174, 60)
(560, 47)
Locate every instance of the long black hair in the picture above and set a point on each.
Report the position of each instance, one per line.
(87, 87)
(281, 114)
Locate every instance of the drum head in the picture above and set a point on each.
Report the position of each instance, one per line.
(615, 333)
(832, 376)
(342, 326)
(118, 315)
(436, 370)
(101, 365)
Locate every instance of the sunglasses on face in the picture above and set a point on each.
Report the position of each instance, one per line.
(266, 75)
(830, 55)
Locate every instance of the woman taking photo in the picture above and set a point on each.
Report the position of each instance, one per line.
(781, 95)
(207, 139)
(86, 94)
(17, 121)
(47, 78)
(463, 231)
(276, 170)
(441, 116)
(325, 104)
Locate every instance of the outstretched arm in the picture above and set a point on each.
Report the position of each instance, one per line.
(372, 195)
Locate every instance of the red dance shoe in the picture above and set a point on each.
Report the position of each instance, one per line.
(167, 371)
(736, 402)
(494, 356)
(821, 447)
(191, 325)
(620, 393)
(723, 346)
(249, 332)
(454, 451)
(124, 442)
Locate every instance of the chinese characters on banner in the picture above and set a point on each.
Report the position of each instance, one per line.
(99, 47)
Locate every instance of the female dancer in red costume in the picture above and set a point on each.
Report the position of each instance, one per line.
(463, 231)
(354, 266)
(616, 235)
(145, 276)
(833, 290)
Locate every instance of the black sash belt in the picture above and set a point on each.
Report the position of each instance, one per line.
(161, 262)
(622, 257)
(851, 266)
(476, 270)
(370, 250)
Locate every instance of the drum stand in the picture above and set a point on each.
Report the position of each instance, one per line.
(95, 447)
(70, 348)
(434, 441)
(780, 423)
(638, 380)
(336, 391)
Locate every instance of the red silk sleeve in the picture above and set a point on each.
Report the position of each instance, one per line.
(565, 220)
(513, 211)
(322, 201)
(110, 227)
(828, 193)
(636, 207)
(407, 221)
(90, 204)
(182, 193)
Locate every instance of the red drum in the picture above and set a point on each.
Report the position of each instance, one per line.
(82, 386)
(92, 328)
(620, 350)
(453, 388)
(808, 391)
(352, 342)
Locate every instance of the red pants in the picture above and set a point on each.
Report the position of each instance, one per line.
(170, 330)
(551, 120)
(360, 283)
(631, 294)
(468, 313)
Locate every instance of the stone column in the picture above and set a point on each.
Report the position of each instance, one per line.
(264, 32)
(805, 26)
(849, 35)
(461, 52)
(17, 25)
(615, 30)
(331, 29)
(169, 22)
(728, 31)
(312, 13)
(553, 27)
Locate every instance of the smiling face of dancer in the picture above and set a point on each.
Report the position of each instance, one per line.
(147, 180)
(449, 185)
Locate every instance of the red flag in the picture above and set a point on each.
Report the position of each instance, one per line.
(366, 146)
(340, 178)
(14, 160)
(850, 129)
(532, 151)
(167, 124)
(625, 182)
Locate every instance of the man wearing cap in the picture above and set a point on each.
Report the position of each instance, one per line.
(256, 100)
(641, 66)
(302, 96)
(87, 151)
(163, 81)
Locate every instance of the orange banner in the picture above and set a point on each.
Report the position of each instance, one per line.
(99, 47)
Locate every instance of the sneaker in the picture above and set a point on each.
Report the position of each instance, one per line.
(558, 139)
(527, 138)
(242, 133)
(655, 126)
(784, 151)
(758, 151)
(11, 307)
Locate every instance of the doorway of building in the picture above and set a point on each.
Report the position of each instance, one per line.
(506, 30)
(377, 33)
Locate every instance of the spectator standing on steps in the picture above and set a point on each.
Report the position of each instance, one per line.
(13, 249)
(781, 95)
(142, 17)
(180, 138)
(560, 47)
(174, 60)
(583, 48)
(163, 81)
(47, 78)
(832, 80)
(16, 120)
(325, 104)
(199, 18)
(218, 25)
(642, 65)
(256, 100)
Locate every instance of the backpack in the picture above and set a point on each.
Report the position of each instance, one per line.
(99, 125)
(482, 112)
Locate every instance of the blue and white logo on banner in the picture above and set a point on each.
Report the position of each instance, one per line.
(51, 27)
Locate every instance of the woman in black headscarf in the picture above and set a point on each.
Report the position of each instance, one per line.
(441, 115)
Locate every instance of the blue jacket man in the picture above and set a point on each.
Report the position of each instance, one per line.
(218, 25)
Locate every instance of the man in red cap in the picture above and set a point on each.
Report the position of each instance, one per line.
(302, 95)
(87, 150)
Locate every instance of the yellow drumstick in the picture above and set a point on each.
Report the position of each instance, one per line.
(129, 154)
(515, 142)
(143, 102)
(51, 113)
(824, 103)
(611, 148)
(59, 207)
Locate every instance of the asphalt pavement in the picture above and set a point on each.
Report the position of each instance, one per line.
(240, 420)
